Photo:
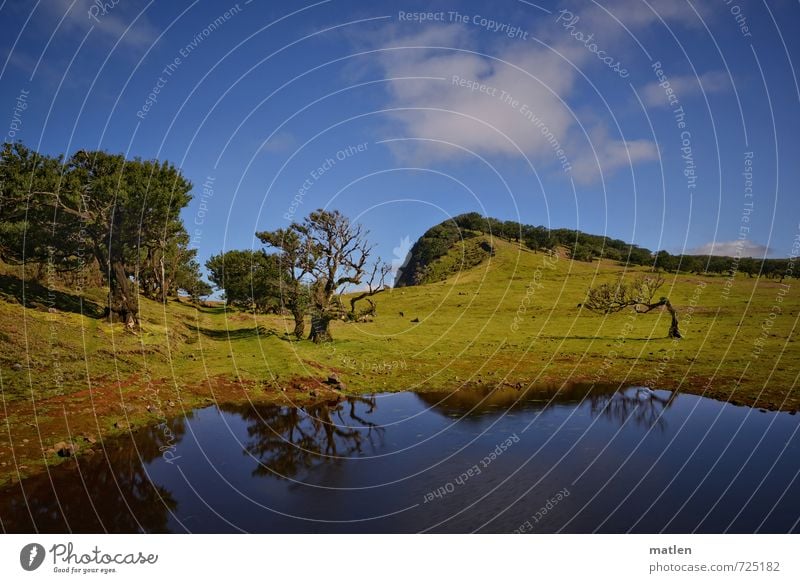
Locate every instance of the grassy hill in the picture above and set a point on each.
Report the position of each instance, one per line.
(502, 316)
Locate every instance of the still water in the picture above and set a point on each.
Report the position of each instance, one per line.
(571, 460)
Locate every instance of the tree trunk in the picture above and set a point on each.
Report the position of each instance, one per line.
(122, 303)
(320, 329)
(299, 323)
(673, 327)
(163, 280)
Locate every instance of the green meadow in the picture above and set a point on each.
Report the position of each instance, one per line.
(513, 320)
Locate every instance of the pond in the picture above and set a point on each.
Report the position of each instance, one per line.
(574, 459)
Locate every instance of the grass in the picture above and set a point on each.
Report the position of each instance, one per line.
(512, 321)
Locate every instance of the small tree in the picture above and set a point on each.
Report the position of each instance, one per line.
(188, 278)
(249, 278)
(615, 297)
(376, 283)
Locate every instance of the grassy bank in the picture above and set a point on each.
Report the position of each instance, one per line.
(512, 321)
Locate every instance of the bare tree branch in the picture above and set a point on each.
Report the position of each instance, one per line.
(608, 298)
(376, 283)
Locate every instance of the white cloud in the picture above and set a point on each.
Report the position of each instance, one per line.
(541, 78)
(611, 155)
(741, 248)
(685, 86)
(541, 124)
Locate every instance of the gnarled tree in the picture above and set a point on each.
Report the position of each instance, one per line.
(319, 258)
(338, 253)
(639, 294)
(375, 283)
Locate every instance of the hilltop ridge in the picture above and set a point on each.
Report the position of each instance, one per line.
(435, 255)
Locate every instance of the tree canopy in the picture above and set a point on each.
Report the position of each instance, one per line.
(95, 208)
(319, 256)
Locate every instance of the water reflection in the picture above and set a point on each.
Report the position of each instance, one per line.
(637, 405)
(289, 440)
(337, 465)
(100, 493)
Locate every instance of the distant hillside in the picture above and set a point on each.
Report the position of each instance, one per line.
(465, 241)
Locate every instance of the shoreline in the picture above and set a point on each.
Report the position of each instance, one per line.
(62, 422)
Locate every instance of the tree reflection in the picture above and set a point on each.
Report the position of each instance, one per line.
(289, 440)
(109, 492)
(641, 405)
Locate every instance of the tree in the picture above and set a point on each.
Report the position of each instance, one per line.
(663, 260)
(376, 283)
(96, 203)
(249, 278)
(187, 277)
(583, 252)
(318, 257)
(294, 255)
(32, 228)
(615, 297)
(337, 255)
(166, 264)
(536, 238)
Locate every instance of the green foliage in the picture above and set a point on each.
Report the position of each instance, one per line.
(249, 278)
(461, 257)
(186, 276)
(33, 227)
(98, 209)
(434, 244)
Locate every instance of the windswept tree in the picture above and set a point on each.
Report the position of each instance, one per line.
(319, 258)
(375, 283)
(639, 294)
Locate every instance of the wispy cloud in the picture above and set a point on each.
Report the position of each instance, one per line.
(609, 155)
(516, 102)
(117, 23)
(280, 143)
(741, 248)
(525, 97)
(685, 86)
(637, 15)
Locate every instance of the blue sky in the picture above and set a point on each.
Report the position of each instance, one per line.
(546, 113)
